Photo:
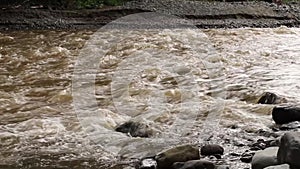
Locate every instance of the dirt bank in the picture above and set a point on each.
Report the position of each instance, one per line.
(202, 14)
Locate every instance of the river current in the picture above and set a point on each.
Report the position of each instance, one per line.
(62, 93)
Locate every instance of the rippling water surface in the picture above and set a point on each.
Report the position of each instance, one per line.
(190, 86)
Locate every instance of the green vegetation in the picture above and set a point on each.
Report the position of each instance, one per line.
(89, 3)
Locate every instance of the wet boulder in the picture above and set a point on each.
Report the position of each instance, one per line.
(265, 158)
(289, 149)
(194, 164)
(182, 153)
(135, 129)
(267, 98)
(212, 149)
(283, 115)
(283, 166)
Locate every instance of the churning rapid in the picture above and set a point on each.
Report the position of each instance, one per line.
(187, 85)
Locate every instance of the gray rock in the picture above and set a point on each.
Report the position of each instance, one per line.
(283, 166)
(289, 150)
(135, 129)
(194, 164)
(181, 153)
(265, 158)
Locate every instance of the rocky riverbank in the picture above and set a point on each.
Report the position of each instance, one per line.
(201, 14)
(279, 152)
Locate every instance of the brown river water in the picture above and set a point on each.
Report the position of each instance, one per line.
(62, 93)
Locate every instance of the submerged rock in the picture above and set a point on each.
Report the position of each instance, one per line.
(265, 158)
(289, 149)
(194, 164)
(135, 129)
(182, 153)
(283, 115)
(283, 166)
(212, 149)
(267, 98)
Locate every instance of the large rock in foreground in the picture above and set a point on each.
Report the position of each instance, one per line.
(283, 115)
(265, 158)
(289, 150)
(183, 153)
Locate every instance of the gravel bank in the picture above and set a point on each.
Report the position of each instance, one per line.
(226, 14)
(201, 14)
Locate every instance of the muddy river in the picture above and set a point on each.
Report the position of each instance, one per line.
(62, 93)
